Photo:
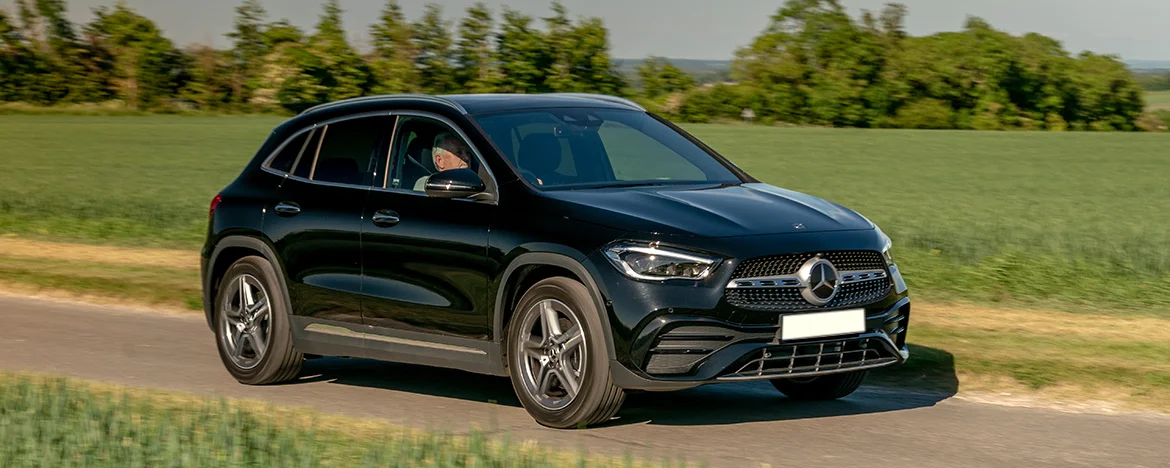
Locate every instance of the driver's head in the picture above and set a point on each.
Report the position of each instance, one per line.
(450, 152)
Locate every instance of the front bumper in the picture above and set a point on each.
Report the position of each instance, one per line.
(676, 352)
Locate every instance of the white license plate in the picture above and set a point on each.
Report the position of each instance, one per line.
(841, 322)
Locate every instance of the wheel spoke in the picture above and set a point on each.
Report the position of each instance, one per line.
(245, 293)
(549, 320)
(543, 380)
(570, 338)
(260, 307)
(238, 341)
(259, 342)
(533, 348)
(568, 380)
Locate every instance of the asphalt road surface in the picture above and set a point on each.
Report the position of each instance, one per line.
(743, 424)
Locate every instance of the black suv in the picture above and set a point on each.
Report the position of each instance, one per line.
(575, 243)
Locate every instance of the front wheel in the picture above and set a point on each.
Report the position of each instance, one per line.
(556, 356)
(251, 325)
(825, 387)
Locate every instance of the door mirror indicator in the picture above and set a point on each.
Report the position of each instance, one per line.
(454, 183)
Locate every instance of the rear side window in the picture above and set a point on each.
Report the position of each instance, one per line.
(287, 157)
(347, 152)
(306, 159)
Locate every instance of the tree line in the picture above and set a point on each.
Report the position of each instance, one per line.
(813, 65)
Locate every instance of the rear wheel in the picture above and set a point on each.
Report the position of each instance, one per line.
(825, 387)
(556, 356)
(252, 327)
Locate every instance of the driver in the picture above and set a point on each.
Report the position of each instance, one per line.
(448, 152)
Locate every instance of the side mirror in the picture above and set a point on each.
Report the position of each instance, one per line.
(454, 183)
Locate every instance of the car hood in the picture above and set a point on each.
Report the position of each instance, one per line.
(707, 210)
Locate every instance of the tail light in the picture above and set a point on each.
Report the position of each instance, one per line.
(214, 204)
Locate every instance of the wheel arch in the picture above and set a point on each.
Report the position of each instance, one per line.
(227, 251)
(529, 268)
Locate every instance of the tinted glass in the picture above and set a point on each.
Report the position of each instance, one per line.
(304, 164)
(349, 150)
(418, 152)
(581, 148)
(284, 160)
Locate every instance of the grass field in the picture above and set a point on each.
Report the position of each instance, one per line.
(1010, 222)
(1038, 218)
(1158, 100)
(59, 422)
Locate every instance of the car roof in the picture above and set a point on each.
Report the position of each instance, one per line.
(485, 103)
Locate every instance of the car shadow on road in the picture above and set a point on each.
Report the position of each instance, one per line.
(928, 378)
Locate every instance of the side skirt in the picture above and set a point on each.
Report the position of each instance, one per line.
(333, 338)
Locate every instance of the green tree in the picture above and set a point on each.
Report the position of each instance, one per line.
(432, 39)
(477, 70)
(521, 53)
(558, 40)
(337, 67)
(580, 59)
(212, 83)
(147, 67)
(394, 52)
(659, 77)
(249, 49)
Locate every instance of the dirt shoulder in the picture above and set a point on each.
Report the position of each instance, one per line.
(1109, 362)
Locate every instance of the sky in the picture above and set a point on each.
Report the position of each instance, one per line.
(707, 29)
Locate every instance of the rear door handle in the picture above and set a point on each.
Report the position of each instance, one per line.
(288, 209)
(385, 218)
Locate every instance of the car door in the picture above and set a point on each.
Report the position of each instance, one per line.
(425, 258)
(315, 220)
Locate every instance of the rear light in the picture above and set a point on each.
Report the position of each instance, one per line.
(214, 204)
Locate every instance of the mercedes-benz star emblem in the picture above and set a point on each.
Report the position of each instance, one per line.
(819, 279)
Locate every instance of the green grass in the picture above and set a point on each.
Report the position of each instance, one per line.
(58, 422)
(1071, 220)
(1157, 100)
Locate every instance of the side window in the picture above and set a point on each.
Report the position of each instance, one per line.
(287, 157)
(348, 150)
(304, 164)
(423, 147)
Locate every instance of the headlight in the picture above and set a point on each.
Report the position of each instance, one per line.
(887, 244)
(653, 263)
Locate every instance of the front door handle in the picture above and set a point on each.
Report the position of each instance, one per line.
(288, 209)
(385, 218)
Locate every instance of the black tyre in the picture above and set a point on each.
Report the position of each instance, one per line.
(825, 387)
(557, 359)
(252, 329)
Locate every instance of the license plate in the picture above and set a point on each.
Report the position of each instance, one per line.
(841, 322)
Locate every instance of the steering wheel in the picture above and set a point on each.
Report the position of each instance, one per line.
(530, 176)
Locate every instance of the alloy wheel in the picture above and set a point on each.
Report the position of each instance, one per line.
(247, 324)
(552, 346)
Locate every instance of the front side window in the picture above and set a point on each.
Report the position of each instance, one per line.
(424, 147)
(584, 148)
(345, 152)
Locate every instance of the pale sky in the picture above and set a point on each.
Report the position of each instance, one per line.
(708, 29)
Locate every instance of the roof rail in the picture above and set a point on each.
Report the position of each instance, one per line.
(389, 97)
(604, 97)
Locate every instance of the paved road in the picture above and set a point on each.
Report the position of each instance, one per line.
(746, 424)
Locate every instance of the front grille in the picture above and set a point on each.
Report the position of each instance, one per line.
(781, 265)
(788, 299)
(814, 358)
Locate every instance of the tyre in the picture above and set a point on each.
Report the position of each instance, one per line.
(556, 356)
(251, 325)
(825, 387)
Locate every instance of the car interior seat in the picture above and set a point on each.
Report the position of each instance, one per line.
(540, 155)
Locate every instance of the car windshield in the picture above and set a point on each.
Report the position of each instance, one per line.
(595, 148)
